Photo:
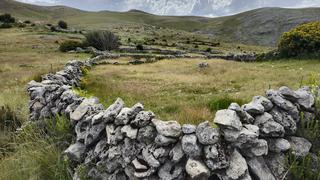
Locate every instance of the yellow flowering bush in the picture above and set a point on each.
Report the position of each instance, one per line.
(302, 40)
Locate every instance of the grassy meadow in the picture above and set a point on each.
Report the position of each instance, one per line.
(179, 90)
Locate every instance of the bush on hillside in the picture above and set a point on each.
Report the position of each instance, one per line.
(69, 46)
(63, 24)
(139, 47)
(302, 40)
(5, 25)
(102, 40)
(7, 19)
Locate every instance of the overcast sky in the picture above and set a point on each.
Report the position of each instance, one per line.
(179, 7)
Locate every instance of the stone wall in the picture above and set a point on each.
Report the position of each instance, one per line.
(120, 142)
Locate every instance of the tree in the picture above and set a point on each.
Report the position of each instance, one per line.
(302, 40)
(63, 24)
(7, 18)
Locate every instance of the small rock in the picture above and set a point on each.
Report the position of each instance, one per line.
(259, 168)
(129, 132)
(147, 134)
(190, 146)
(164, 141)
(111, 113)
(142, 119)
(300, 146)
(278, 145)
(168, 128)
(176, 154)
(238, 166)
(206, 134)
(76, 152)
(188, 128)
(123, 117)
(229, 119)
(197, 170)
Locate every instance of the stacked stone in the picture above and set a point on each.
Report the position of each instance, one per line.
(122, 142)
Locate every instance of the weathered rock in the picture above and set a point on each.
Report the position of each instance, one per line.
(254, 108)
(82, 109)
(285, 120)
(228, 119)
(216, 163)
(170, 171)
(306, 99)
(244, 116)
(142, 119)
(266, 103)
(111, 113)
(164, 141)
(211, 152)
(206, 134)
(188, 128)
(147, 134)
(176, 154)
(76, 152)
(277, 164)
(238, 166)
(288, 94)
(149, 158)
(167, 128)
(259, 169)
(257, 147)
(268, 127)
(278, 100)
(93, 135)
(123, 117)
(278, 145)
(197, 170)
(300, 146)
(129, 132)
(190, 145)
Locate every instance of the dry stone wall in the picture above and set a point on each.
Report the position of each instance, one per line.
(120, 142)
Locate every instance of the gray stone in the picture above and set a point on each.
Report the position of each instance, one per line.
(190, 146)
(278, 145)
(170, 171)
(288, 94)
(268, 127)
(266, 103)
(147, 134)
(176, 154)
(111, 113)
(82, 109)
(142, 119)
(211, 152)
(135, 110)
(238, 166)
(278, 100)
(228, 119)
(300, 146)
(254, 148)
(188, 128)
(206, 134)
(138, 165)
(197, 169)
(129, 132)
(277, 164)
(149, 158)
(168, 128)
(94, 134)
(164, 141)
(123, 117)
(285, 119)
(213, 161)
(75, 152)
(259, 169)
(253, 108)
(96, 119)
(306, 99)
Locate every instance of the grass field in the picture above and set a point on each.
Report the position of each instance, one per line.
(179, 90)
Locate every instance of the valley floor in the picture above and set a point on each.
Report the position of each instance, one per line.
(180, 90)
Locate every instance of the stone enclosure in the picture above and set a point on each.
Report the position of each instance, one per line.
(119, 142)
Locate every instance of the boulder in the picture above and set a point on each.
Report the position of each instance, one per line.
(288, 94)
(170, 171)
(129, 132)
(82, 109)
(147, 134)
(176, 154)
(228, 119)
(161, 140)
(168, 128)
(123, 117)
(111, 113)
(306, 100)
(206, 134)
(238, 166)
(268, 127)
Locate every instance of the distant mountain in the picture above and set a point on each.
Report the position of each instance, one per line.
(258, 27)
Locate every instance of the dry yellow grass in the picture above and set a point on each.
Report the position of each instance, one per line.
(178, 89)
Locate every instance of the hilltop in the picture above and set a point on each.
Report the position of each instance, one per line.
(258, 27)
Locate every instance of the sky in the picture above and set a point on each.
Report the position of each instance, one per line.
(210, 8)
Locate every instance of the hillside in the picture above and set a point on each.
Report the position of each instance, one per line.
(257, 27)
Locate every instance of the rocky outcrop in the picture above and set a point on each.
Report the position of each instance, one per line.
(121, 142)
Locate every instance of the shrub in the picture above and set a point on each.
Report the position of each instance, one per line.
(5, 25)
(208, 50)
(69, 46)
(7, 18)
(139, 47)
(223, 103)
(304, 39)
(63, 24)
(27, 22)
(102, 40)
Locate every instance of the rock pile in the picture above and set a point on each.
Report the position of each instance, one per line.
(122, 142)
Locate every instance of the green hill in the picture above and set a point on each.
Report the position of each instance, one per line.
(260, 26)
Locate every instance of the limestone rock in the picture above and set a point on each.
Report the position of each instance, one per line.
(197, 170)
(111, 113)
(300, 146)
(259, 169)
(142, 119)
(238, 166)
(190, 145)
(278, 145)
(206, 134)
(229, 119)
(168, 128)
(188, 128)
(129, 132)
(76, 151)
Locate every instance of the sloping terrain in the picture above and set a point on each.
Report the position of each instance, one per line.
(261, 26)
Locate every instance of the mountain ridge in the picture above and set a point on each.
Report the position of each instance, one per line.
(261, 26)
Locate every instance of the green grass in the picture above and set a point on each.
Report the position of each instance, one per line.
(179, 90)
(36, 152)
